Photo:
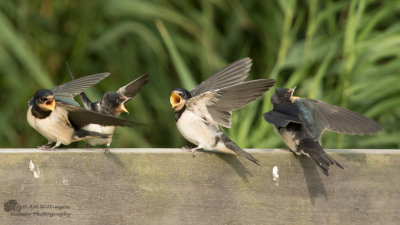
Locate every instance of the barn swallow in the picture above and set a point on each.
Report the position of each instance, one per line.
(55, 114)
(112, 104)
(199, 113)
(301, 122)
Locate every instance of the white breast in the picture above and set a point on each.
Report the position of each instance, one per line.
(288, 138)
(194, 129)
(54, 127)
(99, 129)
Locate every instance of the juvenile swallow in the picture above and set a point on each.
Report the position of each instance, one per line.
(111, 104)
(55, 114)
(301, 122)
(200, 112)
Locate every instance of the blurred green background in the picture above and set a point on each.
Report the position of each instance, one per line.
(343, 52)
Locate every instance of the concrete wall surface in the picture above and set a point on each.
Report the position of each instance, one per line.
(168, 186)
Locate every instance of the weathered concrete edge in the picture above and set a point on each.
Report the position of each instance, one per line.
(180, 151)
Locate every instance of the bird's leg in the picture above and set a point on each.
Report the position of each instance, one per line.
(45, 146)
(108, 148)
(193, 150)
(55, 146)
(298, 151)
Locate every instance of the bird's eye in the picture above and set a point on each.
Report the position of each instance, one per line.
(43, 98)
(118, 101)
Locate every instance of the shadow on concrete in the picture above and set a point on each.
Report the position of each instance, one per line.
(239, 168)
(114, 157)
(312, 175)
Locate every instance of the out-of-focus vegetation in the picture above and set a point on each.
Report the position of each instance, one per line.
(343, 52)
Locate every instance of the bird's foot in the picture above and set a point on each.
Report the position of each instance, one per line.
(192, 150)
(187, 149)
(55, 146)
(44, 147)
(107, 151)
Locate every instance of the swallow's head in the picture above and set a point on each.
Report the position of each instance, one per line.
(44, 99)
(114, 103)
(282, 96)
(178, 98)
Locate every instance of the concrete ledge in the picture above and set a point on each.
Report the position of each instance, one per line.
(179, 150)
(168, 186)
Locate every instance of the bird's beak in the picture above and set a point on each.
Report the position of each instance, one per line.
(51, 103)
(123, 109)
(175, 99)
(292, 98)
(292, 90)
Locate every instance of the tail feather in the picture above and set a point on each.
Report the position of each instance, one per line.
(234, 147)
(314, 150)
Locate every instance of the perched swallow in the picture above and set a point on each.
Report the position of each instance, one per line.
(112, 104)
(55, 114)
(199, 113)
(301, 122)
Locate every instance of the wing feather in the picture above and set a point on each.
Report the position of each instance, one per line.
(232, 74)
(217, 106)
(134, 87)
(280, 119)
(235, 97)
(66, 92)
(334, 118)
(80, 117)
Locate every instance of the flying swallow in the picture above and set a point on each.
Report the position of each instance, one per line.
(55, 114)
(111, 104)
(200, 112)
(301, 122)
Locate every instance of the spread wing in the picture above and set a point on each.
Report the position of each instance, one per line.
(131, 89)
(87, 103)
(280, 119)
(80, 117)
(66, 92)
(333, 118)
(232, 74)
(217, 106)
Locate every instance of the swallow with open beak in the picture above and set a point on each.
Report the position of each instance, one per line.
(301, 122)
(200, 112)
(112, 104)
(55, 114)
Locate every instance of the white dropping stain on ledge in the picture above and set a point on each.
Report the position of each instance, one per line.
(35, 169)
(36, 173)
(275, 175)
(65, 181)
(31, 166)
